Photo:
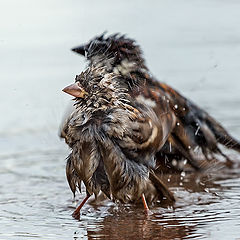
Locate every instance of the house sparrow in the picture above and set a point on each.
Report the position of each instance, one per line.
(194, 128)
(114, 139)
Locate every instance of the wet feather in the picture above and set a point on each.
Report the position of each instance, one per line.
(193, 127)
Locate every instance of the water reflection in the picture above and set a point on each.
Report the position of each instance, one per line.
(136, 225)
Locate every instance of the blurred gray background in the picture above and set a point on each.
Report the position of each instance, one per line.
(192, 45)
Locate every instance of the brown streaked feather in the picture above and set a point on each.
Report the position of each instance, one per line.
(198, 129)
(114, 139)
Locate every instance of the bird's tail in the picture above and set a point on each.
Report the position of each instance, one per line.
(161, 187)
(221, 135)
(194, 129)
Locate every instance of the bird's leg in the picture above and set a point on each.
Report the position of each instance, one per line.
(76, 213)
(144, 203)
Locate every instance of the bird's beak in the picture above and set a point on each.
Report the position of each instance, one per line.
(80, 49)
(75, 90)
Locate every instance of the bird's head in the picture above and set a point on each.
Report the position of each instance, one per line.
(95, 85)
(115, 48)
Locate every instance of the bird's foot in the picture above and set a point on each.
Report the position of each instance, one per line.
(76, 213)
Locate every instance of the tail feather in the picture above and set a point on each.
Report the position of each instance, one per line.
(185, 153)
(161, 187)
(222, 135)
(195, 128)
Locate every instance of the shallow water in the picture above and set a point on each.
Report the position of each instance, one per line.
(192, 45)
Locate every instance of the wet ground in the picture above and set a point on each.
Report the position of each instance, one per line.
(192, 45)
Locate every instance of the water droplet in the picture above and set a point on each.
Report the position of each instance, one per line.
(174, 162)
(183, 174)
(197, 130)
(176, 106)
(206, 190)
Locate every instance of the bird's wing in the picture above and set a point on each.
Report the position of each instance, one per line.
(136, 129)
(134, 135)
(158, 99)
(189, 127)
